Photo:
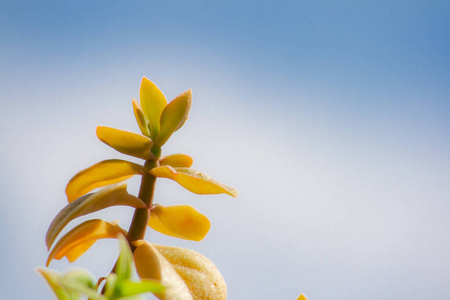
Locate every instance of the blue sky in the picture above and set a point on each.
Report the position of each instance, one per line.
(329, 117)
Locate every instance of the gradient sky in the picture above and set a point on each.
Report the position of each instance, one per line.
(331, 118)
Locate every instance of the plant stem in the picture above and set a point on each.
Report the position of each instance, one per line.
(138, 225)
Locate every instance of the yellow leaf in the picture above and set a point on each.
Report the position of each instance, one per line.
(201, 276)
(110, 196)
(77, 241)
(198, 273)
(193, 180)
(176, 160)
(140, 118)
(173, 116)
(126, 142)
(302, 297)
(181, 221)
(153, 102)
(101, 174)
(150, 264)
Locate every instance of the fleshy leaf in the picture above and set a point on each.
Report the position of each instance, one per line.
(126, 142)
(101, 174)
(150, 264)
(153, 102)
(193, 180)
(174, 116)
(140, 118)
(77, 241)
(198, 273)
(119, 284)
(181, 221)
(110, 196)
(176, 160)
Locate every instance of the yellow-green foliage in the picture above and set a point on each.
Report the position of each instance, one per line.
(184, 273)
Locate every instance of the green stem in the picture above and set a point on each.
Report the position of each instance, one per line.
(138, 225)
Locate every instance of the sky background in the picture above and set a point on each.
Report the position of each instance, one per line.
(331, 118)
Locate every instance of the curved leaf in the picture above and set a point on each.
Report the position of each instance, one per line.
(176, 160)
(128, 288)
(81, 282)
(72, 284)
(110, 196)
(77, 241)
(193, 180)
(153, 102)
(140, 118)
(52, 279)
(124, 264)
(174, 116)
(181, 221)
(126, 142)
(150, 264)
(198, 273)
(101, 174)
(110, 285)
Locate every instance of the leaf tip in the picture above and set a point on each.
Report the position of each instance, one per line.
(233, 193)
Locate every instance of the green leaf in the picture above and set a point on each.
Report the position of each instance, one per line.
(124, 265)
(81, 282)
(110, 196)
(101, 174)
(173, 117)
(118, 284)
(70, 285)
(153, 102)
(126, 142)
(52, 279)
(129, 288)
(110, 285)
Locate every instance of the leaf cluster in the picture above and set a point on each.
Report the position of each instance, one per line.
(184, 273)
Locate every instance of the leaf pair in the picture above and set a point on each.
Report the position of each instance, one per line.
(180, 221)
(110, 196)
(186, 274)
(155, 117)
(175, 167)
(78, 240)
